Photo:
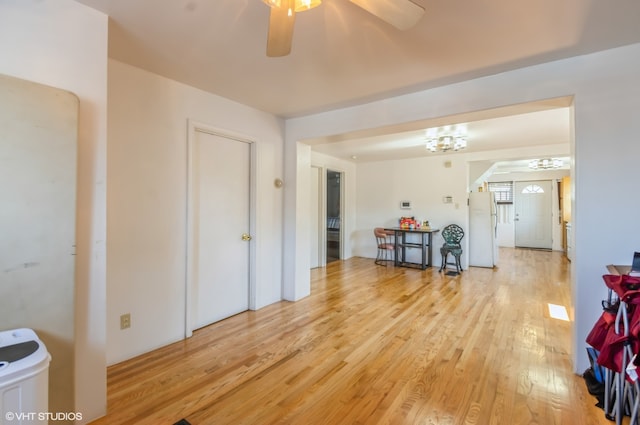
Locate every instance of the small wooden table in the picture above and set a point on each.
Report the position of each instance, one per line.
(401, 244)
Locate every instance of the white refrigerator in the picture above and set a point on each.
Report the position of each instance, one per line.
(483, 229)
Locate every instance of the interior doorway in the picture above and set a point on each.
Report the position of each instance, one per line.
(334, 215)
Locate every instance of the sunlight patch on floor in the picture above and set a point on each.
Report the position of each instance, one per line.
(558, 312)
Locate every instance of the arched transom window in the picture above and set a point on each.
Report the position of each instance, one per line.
(532, 188)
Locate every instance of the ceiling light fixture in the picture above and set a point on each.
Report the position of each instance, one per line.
(545, 164)
(281, 21)
(402, 14)
(297, 5)
(446, 138)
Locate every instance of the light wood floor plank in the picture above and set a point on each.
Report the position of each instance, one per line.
(375, 345)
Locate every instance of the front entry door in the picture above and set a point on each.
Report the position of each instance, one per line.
(533, 214)
(220, 203)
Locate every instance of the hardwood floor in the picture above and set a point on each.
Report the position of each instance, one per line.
(375, 345)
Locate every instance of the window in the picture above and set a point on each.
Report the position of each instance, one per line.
(532, 188)
(503, 192)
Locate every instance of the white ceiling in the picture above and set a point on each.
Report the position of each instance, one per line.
(514, 128)
(343, 56)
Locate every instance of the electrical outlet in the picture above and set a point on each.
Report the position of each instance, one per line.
(125, 321)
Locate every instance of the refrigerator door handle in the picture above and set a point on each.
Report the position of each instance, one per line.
(495, 225)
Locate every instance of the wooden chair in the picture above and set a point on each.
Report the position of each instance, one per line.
(452, 235)
(386, 247)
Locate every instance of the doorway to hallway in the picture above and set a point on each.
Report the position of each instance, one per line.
(334, 216)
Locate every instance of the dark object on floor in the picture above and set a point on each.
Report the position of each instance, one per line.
(594, 377)
(182, 422)
(594, 387)
(452, 273)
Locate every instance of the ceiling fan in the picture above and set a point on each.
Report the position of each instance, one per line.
(402, 14)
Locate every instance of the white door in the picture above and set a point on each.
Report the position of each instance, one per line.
(316, 228)
(533, 214)
(38, 163)
(220, 203)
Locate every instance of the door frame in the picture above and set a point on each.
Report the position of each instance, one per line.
(322, 213)
(319, 237)
(194, 127)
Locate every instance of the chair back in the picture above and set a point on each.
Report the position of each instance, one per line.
(452, 234)
(379, 232)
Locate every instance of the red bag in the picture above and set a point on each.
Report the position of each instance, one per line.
(626, 287)
(600, 330)
(604, 338)
(611, 355)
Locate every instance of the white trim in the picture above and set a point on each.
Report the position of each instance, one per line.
(192, 128)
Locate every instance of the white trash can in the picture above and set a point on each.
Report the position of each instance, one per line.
(24, 378)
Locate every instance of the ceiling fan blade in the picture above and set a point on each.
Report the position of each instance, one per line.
(281, 20)
(402, 14)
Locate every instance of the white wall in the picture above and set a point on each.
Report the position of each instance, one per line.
(147, 203)
(423, 181)
(606, 90)
(64, 44)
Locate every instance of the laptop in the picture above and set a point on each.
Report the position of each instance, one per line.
(635, 265)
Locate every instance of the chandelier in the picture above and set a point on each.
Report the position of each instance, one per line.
(545, 164)
(446, 138)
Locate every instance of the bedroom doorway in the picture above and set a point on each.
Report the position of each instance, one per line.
(334, 215)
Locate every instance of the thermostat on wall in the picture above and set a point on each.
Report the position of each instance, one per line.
(405, 205)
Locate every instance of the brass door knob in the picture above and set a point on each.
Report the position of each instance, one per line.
(246, 237)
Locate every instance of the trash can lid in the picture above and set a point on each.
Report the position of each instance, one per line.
(21, 351)
(15, 352)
